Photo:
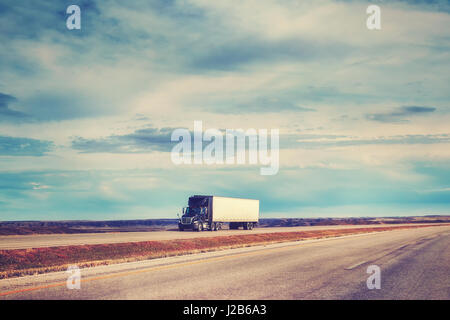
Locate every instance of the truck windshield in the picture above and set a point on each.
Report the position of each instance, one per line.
(190, 212)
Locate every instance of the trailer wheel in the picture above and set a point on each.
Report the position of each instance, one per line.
(248, 226)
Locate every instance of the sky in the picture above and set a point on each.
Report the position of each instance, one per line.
(86, 115)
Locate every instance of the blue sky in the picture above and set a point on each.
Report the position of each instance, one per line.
(86, 115)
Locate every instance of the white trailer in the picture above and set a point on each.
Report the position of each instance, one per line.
(234, 210)
(211, 212)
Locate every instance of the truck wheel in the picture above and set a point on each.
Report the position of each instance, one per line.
(199, 227)
(248, 226)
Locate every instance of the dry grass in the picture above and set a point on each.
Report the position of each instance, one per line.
(19, 262)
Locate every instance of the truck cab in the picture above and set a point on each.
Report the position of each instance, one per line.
(195, 218)
(197, 215)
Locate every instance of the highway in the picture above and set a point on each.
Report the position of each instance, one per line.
(55, 240)
(414, 264)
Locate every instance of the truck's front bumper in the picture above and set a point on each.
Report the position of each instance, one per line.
(186, 226)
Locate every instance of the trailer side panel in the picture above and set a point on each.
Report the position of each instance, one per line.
(235, 210)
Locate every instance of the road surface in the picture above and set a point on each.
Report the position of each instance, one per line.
(54, 240)
(414, 264)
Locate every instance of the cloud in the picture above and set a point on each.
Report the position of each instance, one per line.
(123, 51)
(244, 52)
(38, 186)
(54, 106)
(415, 109)
(51, 106)
(8, 114)
(153, 139)
(355, 141)
(431, 5)
(142, 140)
(401, 114)
(326, 141)
(258, 105)
(12, 146)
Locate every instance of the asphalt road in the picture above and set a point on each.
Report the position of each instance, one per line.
(414, 264)
(53, 240)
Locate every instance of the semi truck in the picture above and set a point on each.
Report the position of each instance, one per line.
(212, 212)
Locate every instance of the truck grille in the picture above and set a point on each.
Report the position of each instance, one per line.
(186, 220)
